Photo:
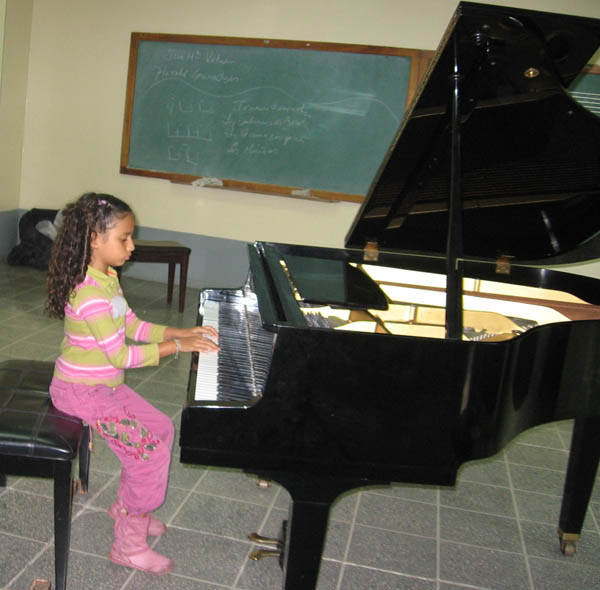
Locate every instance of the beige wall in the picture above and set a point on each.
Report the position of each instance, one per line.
(2, 12)
(76, 92)
(72, 113)
(13, 91)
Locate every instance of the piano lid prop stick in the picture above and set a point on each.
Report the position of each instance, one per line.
(454, 246)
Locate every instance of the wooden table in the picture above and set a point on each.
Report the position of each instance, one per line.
(170, 252)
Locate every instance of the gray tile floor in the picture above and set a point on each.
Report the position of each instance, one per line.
(495, 530)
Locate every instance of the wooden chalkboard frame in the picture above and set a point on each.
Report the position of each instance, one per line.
(419, 61)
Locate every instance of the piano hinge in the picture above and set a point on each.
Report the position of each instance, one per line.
(371, 252)
(503, 265)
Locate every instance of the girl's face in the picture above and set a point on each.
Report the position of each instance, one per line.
(114, 246)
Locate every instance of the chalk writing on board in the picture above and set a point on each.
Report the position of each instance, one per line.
(274, 126)
(322, 121)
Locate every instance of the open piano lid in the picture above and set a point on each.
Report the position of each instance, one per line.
(530, 172)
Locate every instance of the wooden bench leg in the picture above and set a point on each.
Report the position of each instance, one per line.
(170, 283)
(183, 272)
(84, 460)
(63, 501)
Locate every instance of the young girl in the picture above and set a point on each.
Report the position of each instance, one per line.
(83, 288)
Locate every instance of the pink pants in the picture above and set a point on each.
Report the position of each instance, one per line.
(138, 434)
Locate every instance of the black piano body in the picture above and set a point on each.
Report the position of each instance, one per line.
(493, 176)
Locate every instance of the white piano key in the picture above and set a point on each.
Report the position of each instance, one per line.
(206, 376)
(238, 371)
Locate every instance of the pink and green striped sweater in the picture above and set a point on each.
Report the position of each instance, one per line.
(97, 322)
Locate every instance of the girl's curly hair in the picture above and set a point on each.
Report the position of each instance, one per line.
(92, 212)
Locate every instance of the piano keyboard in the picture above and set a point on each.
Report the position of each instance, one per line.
(238, 371)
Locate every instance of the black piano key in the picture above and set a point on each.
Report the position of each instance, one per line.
(245, 346)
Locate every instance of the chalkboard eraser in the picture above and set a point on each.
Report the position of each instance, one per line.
(207, 181)
(302, 193)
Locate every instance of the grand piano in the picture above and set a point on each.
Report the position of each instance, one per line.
(440, 331)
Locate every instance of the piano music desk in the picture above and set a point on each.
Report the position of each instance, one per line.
(170, 252)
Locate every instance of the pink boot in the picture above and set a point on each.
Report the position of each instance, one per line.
(131, 549)
(156, 528)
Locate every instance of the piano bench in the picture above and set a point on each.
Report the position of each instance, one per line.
(38, 440)
(170, 252)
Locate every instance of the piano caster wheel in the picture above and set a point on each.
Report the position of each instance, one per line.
(263, 483)
(568, 543)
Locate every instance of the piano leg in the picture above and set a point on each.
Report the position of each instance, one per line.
(581, 475)
(304, 542)
(307, 524)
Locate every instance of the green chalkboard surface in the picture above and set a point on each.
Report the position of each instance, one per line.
(295, 118)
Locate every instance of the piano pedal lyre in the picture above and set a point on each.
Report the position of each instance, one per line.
(260, 553)
(260, 540)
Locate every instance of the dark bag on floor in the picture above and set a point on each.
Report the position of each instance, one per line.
(34, 248)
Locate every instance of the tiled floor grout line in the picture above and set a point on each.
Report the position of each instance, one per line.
(383, 570)
(438, 538)
(13, 342)
(45, 547)
(169, 523)
(187, 496)
(484, 512)
(192, 579)
(87, 505)
(348, 572)
(519, 527)
(260, 528)
(349, 541)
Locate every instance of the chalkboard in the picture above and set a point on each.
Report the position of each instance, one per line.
(585, 89)
(295, 118)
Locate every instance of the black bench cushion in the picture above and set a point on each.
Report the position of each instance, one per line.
(30, 426)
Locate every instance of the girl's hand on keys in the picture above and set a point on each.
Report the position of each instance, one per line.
(208, 331)
(198, 343)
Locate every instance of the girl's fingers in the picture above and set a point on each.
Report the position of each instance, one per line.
(211, 331)
(207, 345)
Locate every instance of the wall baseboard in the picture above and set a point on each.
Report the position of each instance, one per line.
(214, 262)
(9, 229)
